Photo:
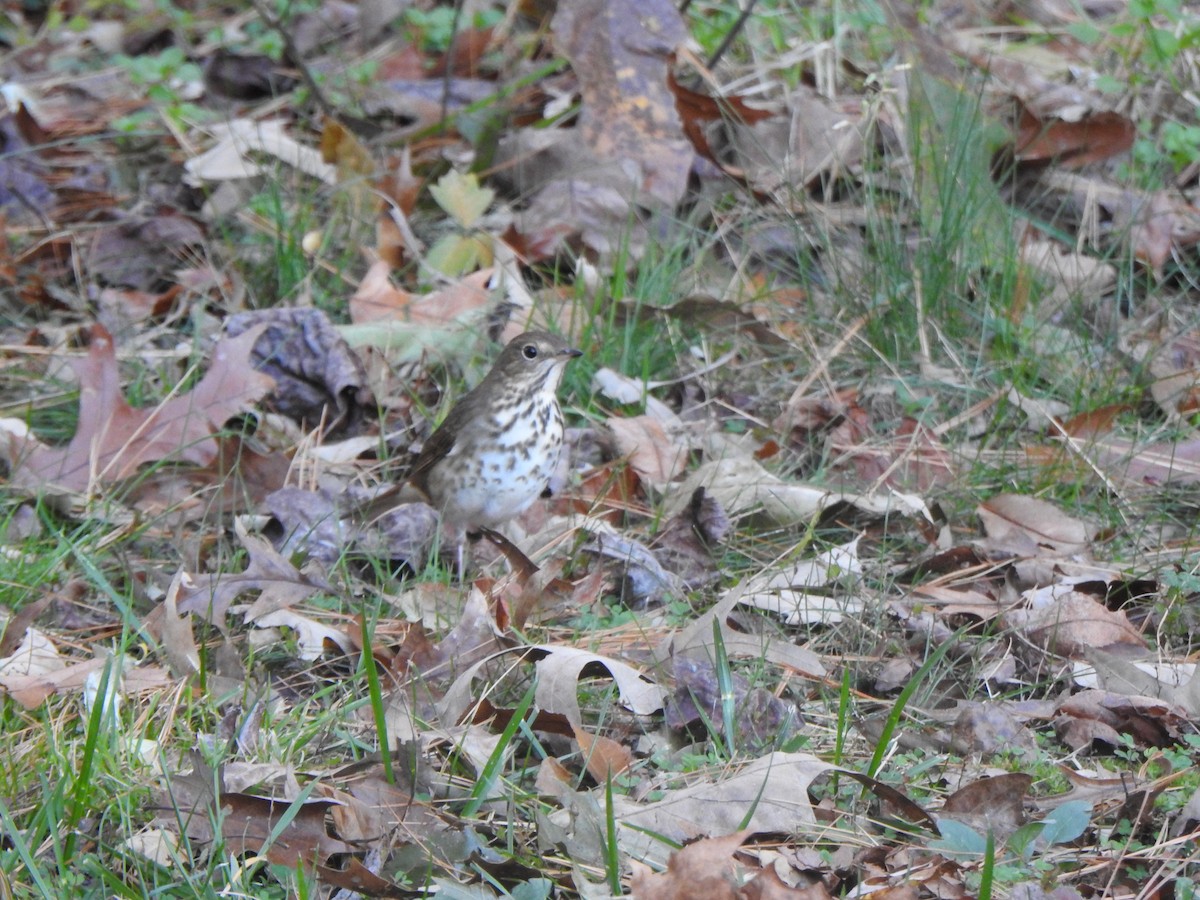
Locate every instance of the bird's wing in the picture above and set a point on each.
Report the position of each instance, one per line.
(438, 447)
(441, 442)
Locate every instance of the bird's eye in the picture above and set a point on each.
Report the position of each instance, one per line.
(529, 351)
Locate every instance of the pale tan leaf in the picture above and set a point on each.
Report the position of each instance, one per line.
(772, 790)
(1071, 623)
(1029, 526)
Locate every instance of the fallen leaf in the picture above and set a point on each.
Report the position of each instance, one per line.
(232, 156)
(278, 582)
(112, 439)
(1071, 623)
(318, 379)
(1027, 526)
(653, 455)
(605, 758)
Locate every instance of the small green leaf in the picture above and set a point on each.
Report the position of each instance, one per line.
(1085, 32)
(462, 197)
(456, 254)
(959, 839)
(1067, 822)
(1022, 840)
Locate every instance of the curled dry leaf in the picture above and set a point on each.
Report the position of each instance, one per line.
(1100, 716)
(1174, 682)
(604, 757)
(34, 655)
(800, 593)
(319, 380)
(313, 639)
(559, 672)
(231, 157)
(705, 869)
(112, 439)
(641, 576)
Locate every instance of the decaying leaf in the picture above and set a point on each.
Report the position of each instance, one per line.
(32, 690)
(742, 485)
(1091, 717)
(318, 380)
(559, 672)
(772, 791)
(238, 141)
(628, 148)
(761, 720)
(805, 591)
(604, 757)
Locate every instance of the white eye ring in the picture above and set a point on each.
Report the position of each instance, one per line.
(529, 351)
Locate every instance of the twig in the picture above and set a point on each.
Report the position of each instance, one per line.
(293, 53)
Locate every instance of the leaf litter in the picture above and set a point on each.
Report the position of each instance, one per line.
(736, 594)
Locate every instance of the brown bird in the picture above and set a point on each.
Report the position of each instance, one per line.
(495, 452)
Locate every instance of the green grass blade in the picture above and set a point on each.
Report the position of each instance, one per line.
(491, 769)
(893, 719)
(375, 691)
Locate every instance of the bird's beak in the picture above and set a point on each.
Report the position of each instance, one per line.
(571, 353)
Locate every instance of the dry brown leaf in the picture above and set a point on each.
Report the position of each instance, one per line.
(815, 138)
(653, 455)
(704, 870)
(559, 670)
(237, 141)
(1101, 716)
(995, 803)
(376, 300)
(699, 636)
(1027, 526)
(741, 484)
(1071, 623)
(1076, 143)
(605, 758)
(32, 690)
(113, 439)
(772, 789)
(279, 583)
(253, 825)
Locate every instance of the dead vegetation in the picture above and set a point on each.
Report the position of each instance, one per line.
(873, 567)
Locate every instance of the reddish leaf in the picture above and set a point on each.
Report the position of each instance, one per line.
(113, 439)
(1094, 137)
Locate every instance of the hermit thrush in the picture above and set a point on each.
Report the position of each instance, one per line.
(495, 452)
